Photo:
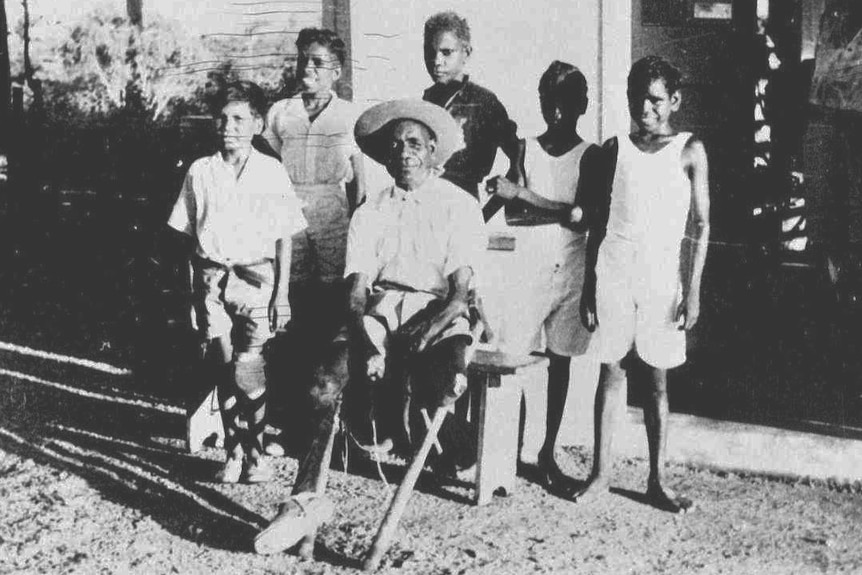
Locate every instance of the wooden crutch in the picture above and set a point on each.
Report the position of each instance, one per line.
(402, 495)
(405, 488)
(306, 548)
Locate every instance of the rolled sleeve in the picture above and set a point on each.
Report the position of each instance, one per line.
(183, 217)
(505, 129)
(294, 220)
(270, 133)
(362, 246)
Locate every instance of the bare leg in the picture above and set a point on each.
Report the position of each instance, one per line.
(219, 353)
(558, 390)
(609, 394)
(656, 421)
(440, 377)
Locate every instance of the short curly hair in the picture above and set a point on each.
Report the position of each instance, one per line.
(241, 91)
(562, 82)
(646, 70)
(326, 38)
(448, 22)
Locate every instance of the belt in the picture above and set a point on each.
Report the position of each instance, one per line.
(242, 271)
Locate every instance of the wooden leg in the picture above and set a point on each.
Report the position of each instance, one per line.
(498, 438)
(306, 548)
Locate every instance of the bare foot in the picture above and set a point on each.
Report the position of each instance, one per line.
(376, 367)
(552, 477)
(595, 488)
(665, 499)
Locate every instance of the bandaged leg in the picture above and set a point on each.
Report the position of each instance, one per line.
(250, 377)
(218, 356)
(231, 414)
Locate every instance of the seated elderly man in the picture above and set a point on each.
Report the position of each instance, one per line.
(411, 252)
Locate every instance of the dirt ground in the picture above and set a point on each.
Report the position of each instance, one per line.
(94, 478)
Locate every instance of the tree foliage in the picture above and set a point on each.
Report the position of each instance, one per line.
(103, 60)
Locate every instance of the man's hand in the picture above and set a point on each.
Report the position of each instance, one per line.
(417, 335)
(502, 187)
(688, 311)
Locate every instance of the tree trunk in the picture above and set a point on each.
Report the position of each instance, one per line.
(5, 80)
(135, 10)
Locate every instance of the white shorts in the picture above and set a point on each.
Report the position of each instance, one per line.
(544, 299)
(636, 307)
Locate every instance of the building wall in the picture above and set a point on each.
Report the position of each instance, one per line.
(513, 45)
(513, 42)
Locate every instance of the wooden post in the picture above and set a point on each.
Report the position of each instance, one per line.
(402, 495)
(336, 17)
(498, 437)
(5, 80)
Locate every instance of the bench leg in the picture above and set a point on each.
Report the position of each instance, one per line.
(202, 421)
(498, 438)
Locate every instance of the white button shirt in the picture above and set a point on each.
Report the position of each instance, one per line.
(237, 220)
(416, 238)
(315, 152)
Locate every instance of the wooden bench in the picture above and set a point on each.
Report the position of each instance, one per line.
(492, 375)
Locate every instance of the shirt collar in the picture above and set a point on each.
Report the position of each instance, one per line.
(297, 107)
(417, 196)
(443, 95)
(252, 158)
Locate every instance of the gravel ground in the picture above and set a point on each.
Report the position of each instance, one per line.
(94, 479)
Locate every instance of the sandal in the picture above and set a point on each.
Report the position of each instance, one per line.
(259, 471)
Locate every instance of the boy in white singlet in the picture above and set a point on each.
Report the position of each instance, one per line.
(550, 250)
(645, 257)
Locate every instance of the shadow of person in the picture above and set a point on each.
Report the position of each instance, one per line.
(64, 416)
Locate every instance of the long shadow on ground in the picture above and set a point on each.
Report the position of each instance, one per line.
(83, 422)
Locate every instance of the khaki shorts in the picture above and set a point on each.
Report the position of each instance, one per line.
(230, 305)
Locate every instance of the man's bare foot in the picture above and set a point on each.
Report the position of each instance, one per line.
(376, 367)
(665, 499)
(595, 488)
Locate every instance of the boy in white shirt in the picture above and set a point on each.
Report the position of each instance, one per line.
(238, 208)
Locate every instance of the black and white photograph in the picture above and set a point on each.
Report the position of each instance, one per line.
(424, 287)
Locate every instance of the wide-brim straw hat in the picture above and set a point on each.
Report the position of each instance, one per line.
(375, 125)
